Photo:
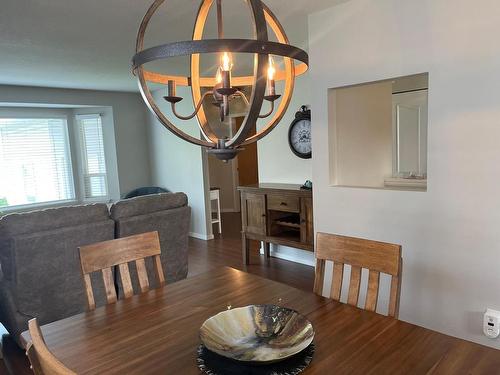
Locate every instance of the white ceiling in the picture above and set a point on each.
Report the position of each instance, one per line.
(88, 44)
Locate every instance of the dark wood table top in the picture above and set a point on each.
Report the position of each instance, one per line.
(277, 188)
(270, 186)
(157, 332)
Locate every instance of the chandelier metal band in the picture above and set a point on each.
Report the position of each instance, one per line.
(189, 47)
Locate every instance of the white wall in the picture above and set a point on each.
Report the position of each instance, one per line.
(450, 234)
(178, 165)
(277, 163)
(129, 120)
(360, 121)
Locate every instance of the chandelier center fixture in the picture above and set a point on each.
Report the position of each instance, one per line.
(224, 87)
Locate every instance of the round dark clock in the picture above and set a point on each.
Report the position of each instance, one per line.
(299, 134)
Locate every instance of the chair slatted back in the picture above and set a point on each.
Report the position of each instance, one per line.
(377, 257)
(103, 256)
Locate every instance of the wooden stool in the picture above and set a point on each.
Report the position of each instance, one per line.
(215, 196)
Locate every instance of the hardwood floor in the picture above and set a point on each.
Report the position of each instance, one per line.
(225, 250)
(204, 256)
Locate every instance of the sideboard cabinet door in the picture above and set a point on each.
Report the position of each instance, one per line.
(254, 213)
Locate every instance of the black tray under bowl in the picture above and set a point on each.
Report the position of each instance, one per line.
(211, 363)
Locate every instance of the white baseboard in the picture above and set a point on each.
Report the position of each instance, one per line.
(199, 236)
(292, 254)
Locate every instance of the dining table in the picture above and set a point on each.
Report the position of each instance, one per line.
(157, 332)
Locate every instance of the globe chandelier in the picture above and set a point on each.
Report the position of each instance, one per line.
(223, 88)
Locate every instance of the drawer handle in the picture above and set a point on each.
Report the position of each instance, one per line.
(283, 204)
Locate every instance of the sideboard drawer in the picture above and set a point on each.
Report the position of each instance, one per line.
(283, 203)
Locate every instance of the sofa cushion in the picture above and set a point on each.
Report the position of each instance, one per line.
(51, 218)
(147, 204)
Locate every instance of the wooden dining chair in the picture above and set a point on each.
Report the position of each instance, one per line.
(103, 256)
(43, 362)
(377, 257)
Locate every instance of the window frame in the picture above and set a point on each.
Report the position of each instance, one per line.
(82, 158)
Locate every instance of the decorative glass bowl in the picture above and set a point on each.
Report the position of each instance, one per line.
(257, 333)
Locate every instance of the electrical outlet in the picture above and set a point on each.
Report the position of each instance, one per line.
(491, 323)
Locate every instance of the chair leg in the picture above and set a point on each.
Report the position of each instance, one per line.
(267, 249)
(219, 214)
(245, 248)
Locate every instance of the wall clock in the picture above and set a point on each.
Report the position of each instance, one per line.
(299, 134)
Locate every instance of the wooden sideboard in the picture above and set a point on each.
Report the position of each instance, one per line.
(276, 213)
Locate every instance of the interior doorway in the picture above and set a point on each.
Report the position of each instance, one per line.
(227, 176)
(247, 160)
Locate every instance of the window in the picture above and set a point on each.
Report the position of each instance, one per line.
(35, 162)
(95, 184)
(56, 156)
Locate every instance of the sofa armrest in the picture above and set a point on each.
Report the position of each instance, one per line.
(13, 321)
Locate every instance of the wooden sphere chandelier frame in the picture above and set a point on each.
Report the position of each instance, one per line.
(223, 87)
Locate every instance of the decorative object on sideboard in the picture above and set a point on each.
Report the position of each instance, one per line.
(299, 134)
(308, 185)
(222, 86)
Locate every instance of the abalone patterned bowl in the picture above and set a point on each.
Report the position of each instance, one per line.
(257, 333)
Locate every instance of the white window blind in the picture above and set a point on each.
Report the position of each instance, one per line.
(35, 162)
(95, 182)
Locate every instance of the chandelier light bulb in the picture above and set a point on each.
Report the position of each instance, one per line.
(271, 84)
(271, 70)
(227, 63)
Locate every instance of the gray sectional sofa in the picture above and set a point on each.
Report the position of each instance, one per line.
(39, 265)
